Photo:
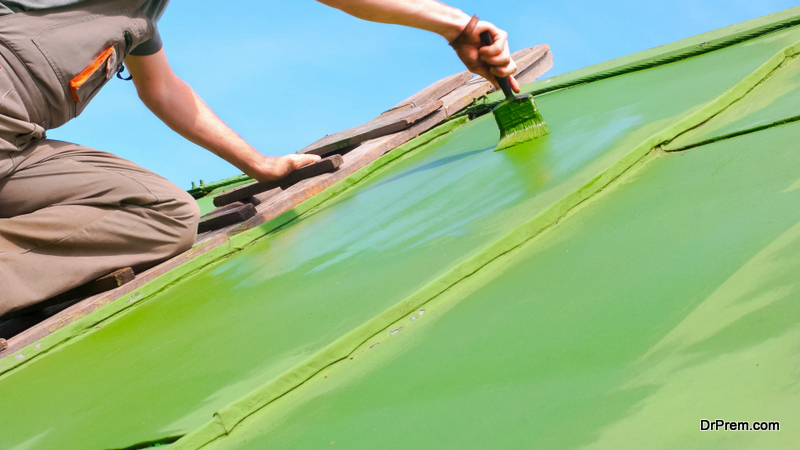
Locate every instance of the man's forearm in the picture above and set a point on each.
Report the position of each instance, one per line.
(423, 14)
(184, 112)
(489, 61)
(178, 106)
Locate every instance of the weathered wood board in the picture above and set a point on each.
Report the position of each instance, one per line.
(535, 63)
(437, 90)
(389, 122)
(227, 215)
(328, 164)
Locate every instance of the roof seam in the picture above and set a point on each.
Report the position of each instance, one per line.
(734, 134)
(747, 85)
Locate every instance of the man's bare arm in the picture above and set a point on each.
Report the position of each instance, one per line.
(448, 22)
(178, 106)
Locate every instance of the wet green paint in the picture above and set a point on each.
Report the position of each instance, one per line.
(165, 366)
(665, 300)
(775, 101)
(518, 121)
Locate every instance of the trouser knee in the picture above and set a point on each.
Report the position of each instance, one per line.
(186, 214)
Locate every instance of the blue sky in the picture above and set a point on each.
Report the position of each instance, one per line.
(284, 74)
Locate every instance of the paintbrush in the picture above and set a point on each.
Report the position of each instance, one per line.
(517, 117)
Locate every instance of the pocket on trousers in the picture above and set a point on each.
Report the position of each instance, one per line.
(85, 52)
(85, 85)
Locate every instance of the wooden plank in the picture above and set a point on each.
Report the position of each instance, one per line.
(536, 68)
(3, 344)
(437, 90)
(225, 216)
(105, 283)
(328, 164)
(400, 117)
(527, 56)
(389, 122)
(111, 281)
(223, 209)
(255, 201)
(465, 95)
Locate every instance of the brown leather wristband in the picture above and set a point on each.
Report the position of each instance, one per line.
(465, 33)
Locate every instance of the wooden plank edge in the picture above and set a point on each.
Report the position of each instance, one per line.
(328, 164)
(355, 136)
(536, 69)
(228, 217)
(438, 89)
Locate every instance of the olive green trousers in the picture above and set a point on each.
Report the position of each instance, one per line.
(70, 214)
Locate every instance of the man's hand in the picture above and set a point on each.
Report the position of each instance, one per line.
(276, 168)
(178, 106)
(490, 62)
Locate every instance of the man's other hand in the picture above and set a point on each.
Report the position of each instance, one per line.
(275, 168)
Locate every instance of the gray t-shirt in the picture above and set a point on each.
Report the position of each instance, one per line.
(151, 8)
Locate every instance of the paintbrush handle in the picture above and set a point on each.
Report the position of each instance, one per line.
(505, 85)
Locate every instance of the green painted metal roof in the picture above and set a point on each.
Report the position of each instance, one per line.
(587, 289)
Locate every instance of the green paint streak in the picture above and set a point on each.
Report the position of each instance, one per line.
(256, 318)
(667, 299)
(205, 189)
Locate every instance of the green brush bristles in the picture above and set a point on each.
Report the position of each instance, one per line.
(519, 121)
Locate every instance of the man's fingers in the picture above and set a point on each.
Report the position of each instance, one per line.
(501, 60)
(506, 71)
(495, 49)
(499, 37)
(514, 84)
(302, 160)
(497, 56)
(491, 61)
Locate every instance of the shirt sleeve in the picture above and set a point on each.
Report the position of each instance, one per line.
(149, 47)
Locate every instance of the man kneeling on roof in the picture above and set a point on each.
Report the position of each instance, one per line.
(70, 214)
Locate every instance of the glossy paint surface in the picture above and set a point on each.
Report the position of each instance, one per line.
(164, 367)
(668, 299)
